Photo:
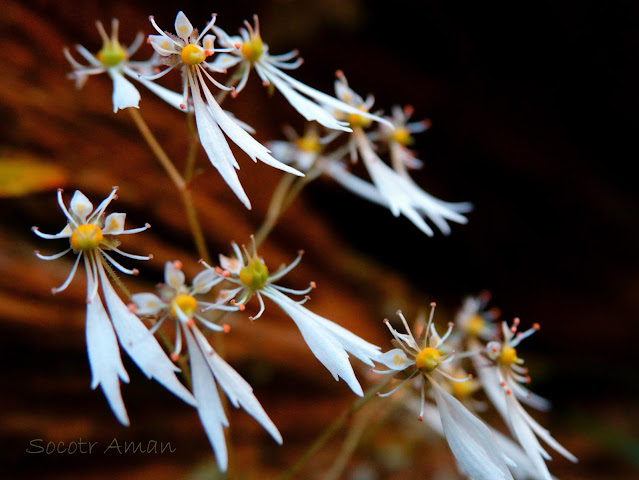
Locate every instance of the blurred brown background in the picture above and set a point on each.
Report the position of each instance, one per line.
(534, 120)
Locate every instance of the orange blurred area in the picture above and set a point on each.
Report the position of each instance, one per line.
(533, 120)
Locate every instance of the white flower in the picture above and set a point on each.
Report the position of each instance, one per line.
(177, 301)
(474, 320)
(249, 51)
(92, 237)
(502, 381)
(188, 50)
(328, 341)
(470, 440)
(396, 191)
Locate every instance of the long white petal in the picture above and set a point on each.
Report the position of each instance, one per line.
(215, 145)
(104, 354)
(238, 390)
(469, 439)
(140, 344)
(210, 407)
(124, 92)
(322, 342)
(169, 96)
(240, 137)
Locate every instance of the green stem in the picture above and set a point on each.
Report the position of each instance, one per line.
(178, 181)
(334, 428)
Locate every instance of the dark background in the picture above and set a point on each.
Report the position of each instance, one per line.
(534, 120)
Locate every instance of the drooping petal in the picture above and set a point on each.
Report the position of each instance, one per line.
(470, 439)
(104, 354)
(140, 344)
(114, 224)
(210, 407)
(324, 345)
(124, 92)
(238, 390)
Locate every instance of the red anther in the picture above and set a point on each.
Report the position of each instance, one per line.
(495, 349)
(238, 45)
(398, 312)
(409, 110)
(208, 53)
(226, 328)
(433, 304)
(527, 379)
(503, 384)
(536, 326)
(451, 324)
(182, 106)
(265, 83)
(132, 307)
(150, 255)
(300, 252)
(427, 122)
(339, 74)
(234, 93)
(301, 60)
(307, 297)
(148, 41)
(178, 265)
(516, 321)
(495, 312)
(508, 391)
(313, 285)
(386, 320)
(420, 418)
(226, 273)
(175, 356)
(190, 322)
(470, 376)
(241, 307)
(135, 271)
(35, 252)
(55, 290)
(377, 394)
(218, 270)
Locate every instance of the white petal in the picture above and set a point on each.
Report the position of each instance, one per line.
(469, 439)
(104, 355)
(224, 61)
(326, 348)
(209, 407)
(114, 223)
(395, 359)
(241, 124)
(147, 303)
(183, 27)
(215, 145)
(174, 99)
(140, 344)
(308, 109)
(236, 388)
(124, 92)
(242, 139)
(81, 206)
(174, 277)
(204, 281)
(233, 265)
(162, 45)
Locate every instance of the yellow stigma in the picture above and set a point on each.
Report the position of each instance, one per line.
(475, 326)
(192, 55)
(111, 54)
(402, 136)
(252, 49)
(309, 143)
(184, 302)
(254, 275)
(86, 237)
(428, 360)
(356, 120)
(508, 356)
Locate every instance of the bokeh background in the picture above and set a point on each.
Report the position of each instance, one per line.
(534, 120)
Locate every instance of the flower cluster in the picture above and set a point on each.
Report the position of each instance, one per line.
(341, 128)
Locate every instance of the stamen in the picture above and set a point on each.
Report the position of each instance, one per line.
(51, 257)
(69, 277)
(207, 28)
(404, 382)
(100, 210)
(64, 209)
(154, 328)
(111, 260)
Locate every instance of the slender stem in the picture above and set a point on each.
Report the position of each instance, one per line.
(334, 428)
(274, 208)
(178, 181)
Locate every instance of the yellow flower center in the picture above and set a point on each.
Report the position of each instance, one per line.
(193, 54)
(254, 275)
(356, 120)
(475, 326)
(308, 143)
(508, 356)
(428, 360)
(184, 302)
(464, 389)
(252, 49)
(111, 54)
(86, 237)
(402, 136)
